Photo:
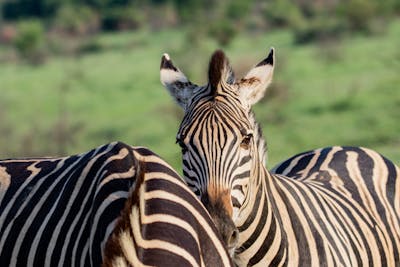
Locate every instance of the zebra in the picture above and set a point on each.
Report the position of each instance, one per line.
(62, 211)
(163, 223)
(345, 212)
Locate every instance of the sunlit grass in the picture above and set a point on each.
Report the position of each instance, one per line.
(346, 93)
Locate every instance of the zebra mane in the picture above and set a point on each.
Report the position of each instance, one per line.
(261, 143)
(219, 70)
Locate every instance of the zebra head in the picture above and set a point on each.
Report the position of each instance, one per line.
(222, 145)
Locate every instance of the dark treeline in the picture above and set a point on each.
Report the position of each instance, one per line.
(131, 14)
(27, 24)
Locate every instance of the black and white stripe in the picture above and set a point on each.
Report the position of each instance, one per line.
(163, 223)
(362, 186)
(62, 211)
(331, 207)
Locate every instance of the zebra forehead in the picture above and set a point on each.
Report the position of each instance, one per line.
(207, 98)
(219, 111)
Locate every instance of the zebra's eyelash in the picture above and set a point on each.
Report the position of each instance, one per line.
(246, 141)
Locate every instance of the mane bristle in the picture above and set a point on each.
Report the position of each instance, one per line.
(216, 69)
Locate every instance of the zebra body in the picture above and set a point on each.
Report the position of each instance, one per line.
(163, 223)
(343, 213)
(363, 190)
(62, 211)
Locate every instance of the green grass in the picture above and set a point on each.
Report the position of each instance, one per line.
(343, 93)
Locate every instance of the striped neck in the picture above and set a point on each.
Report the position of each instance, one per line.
(261, 238)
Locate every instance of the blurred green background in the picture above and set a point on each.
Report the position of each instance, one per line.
(77, 74)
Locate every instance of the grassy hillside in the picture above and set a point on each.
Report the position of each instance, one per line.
(336, 93)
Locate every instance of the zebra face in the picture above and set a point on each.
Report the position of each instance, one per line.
(217, 148)
(220, 140)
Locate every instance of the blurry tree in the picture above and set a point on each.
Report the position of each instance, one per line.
(121, 18)
(30, 40)
(76, 20)
(238, 9)
(17, 9)
(319, 28)
(223, 31)
(283, 13)
(278, 12)
(221, 19)
(357, 13)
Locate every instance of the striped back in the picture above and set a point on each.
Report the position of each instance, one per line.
(60, 211)
(163, 223)
(353, 193)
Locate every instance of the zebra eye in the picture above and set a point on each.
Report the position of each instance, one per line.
(182, 145)
(246, 141)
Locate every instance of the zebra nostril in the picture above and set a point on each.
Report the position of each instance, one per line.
(233, 239)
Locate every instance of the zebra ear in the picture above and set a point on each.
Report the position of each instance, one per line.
(253, 86)
(176, 82)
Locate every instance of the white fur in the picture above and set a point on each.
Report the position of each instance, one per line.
(251, 93)
(166, 56)
(169, 77)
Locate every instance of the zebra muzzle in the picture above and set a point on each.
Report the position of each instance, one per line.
(227, 229)
(219, 205)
